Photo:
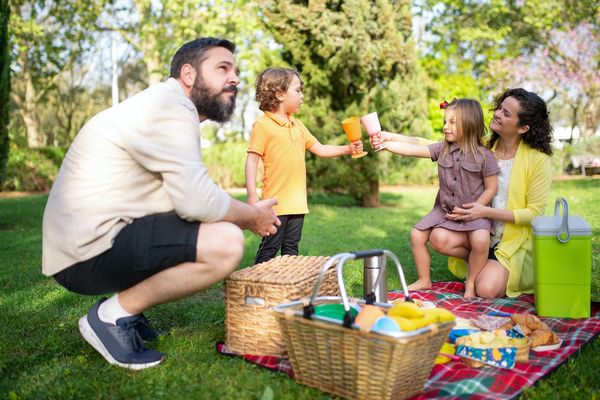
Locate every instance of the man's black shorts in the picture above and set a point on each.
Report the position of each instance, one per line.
(143, 248)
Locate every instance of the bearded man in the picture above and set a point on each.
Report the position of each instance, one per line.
(134, 212)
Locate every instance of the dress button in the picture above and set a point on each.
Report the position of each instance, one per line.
(455, 178)
(452, 194)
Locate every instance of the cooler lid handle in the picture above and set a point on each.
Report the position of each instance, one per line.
(563, 235)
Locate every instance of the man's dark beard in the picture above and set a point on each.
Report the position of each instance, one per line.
(209, 103)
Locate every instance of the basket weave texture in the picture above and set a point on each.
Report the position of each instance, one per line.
(360, 365)
(250, 324)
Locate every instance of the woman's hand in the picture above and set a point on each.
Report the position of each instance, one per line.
(469, 212)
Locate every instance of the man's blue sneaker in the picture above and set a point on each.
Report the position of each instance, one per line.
(144, 328)
(120, 344)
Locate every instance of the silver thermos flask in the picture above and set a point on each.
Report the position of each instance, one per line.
(373, 267)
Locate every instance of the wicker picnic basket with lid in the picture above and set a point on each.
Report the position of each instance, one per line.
(341, 359)
(250, 294)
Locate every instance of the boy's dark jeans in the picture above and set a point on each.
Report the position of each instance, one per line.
(287, 238)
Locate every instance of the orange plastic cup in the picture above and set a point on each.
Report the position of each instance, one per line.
(352, 128)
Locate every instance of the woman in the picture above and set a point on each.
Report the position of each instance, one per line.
(521, 136)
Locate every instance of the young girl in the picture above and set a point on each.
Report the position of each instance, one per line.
(280, 141)
(467, 173)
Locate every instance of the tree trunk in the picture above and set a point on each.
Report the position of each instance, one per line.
(575, 111)
(154, 68)
(371, 198)
(27, 105)
(4, 88)
(152, 61)
(32, 124)
(591, 119)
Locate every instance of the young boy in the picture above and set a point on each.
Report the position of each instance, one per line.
(280, 141)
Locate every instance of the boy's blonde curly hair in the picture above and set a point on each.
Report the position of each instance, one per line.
(270, 83)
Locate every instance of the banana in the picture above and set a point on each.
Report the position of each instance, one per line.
(406, 310)
(428, 318)
(444, 315)
(406, 324)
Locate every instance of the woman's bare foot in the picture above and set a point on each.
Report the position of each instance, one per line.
(470, 290)
(420, 284)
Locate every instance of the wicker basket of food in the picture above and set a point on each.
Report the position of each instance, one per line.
(337, 355)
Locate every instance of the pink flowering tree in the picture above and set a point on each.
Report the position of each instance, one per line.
(565, 71)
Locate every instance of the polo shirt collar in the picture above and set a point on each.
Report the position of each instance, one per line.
(280, 121)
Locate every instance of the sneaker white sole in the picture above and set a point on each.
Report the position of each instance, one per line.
(90, 336)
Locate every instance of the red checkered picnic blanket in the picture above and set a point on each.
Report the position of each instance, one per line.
(455, 379)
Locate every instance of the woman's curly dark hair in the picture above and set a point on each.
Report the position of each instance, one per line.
(270, 82)
(533, 114)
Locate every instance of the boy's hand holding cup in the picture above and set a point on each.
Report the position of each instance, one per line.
(356, 147)
(351, 128)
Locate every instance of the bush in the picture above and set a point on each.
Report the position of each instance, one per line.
(226, 163)
(562, 158)
(54, 154)
(419, 172)
(32, 169)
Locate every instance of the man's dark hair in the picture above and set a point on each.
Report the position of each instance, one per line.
(193, 53)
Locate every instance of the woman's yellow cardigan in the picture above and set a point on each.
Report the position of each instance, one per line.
(528, 192)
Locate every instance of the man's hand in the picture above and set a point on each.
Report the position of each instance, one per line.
(265, 221)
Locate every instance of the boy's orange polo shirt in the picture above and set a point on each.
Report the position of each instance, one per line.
(282, 146)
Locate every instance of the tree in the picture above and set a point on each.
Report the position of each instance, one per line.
(49, 37)
(567, 68)
(355, 57)
(155, 29)
(4, 87)
(463, 41)
(467, 34)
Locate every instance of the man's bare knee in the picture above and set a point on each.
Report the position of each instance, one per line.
(221, 246)
(232, 245)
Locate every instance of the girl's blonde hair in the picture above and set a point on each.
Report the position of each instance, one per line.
(273, 81)
(469, 125)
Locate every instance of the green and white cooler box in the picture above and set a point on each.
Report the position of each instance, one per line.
(562, 253)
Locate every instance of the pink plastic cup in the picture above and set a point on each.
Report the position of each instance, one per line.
(371, 124)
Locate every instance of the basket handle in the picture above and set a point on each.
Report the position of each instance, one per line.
(309, 309)
(367, 254)
(341, 259)
(563, 235)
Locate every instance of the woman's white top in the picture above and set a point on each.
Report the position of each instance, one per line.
(501, 197)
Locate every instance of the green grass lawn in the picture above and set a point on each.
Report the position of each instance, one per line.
(43, 356)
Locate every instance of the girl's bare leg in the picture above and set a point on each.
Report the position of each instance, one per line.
(418, 245)
(480, 241)
(450, 243)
